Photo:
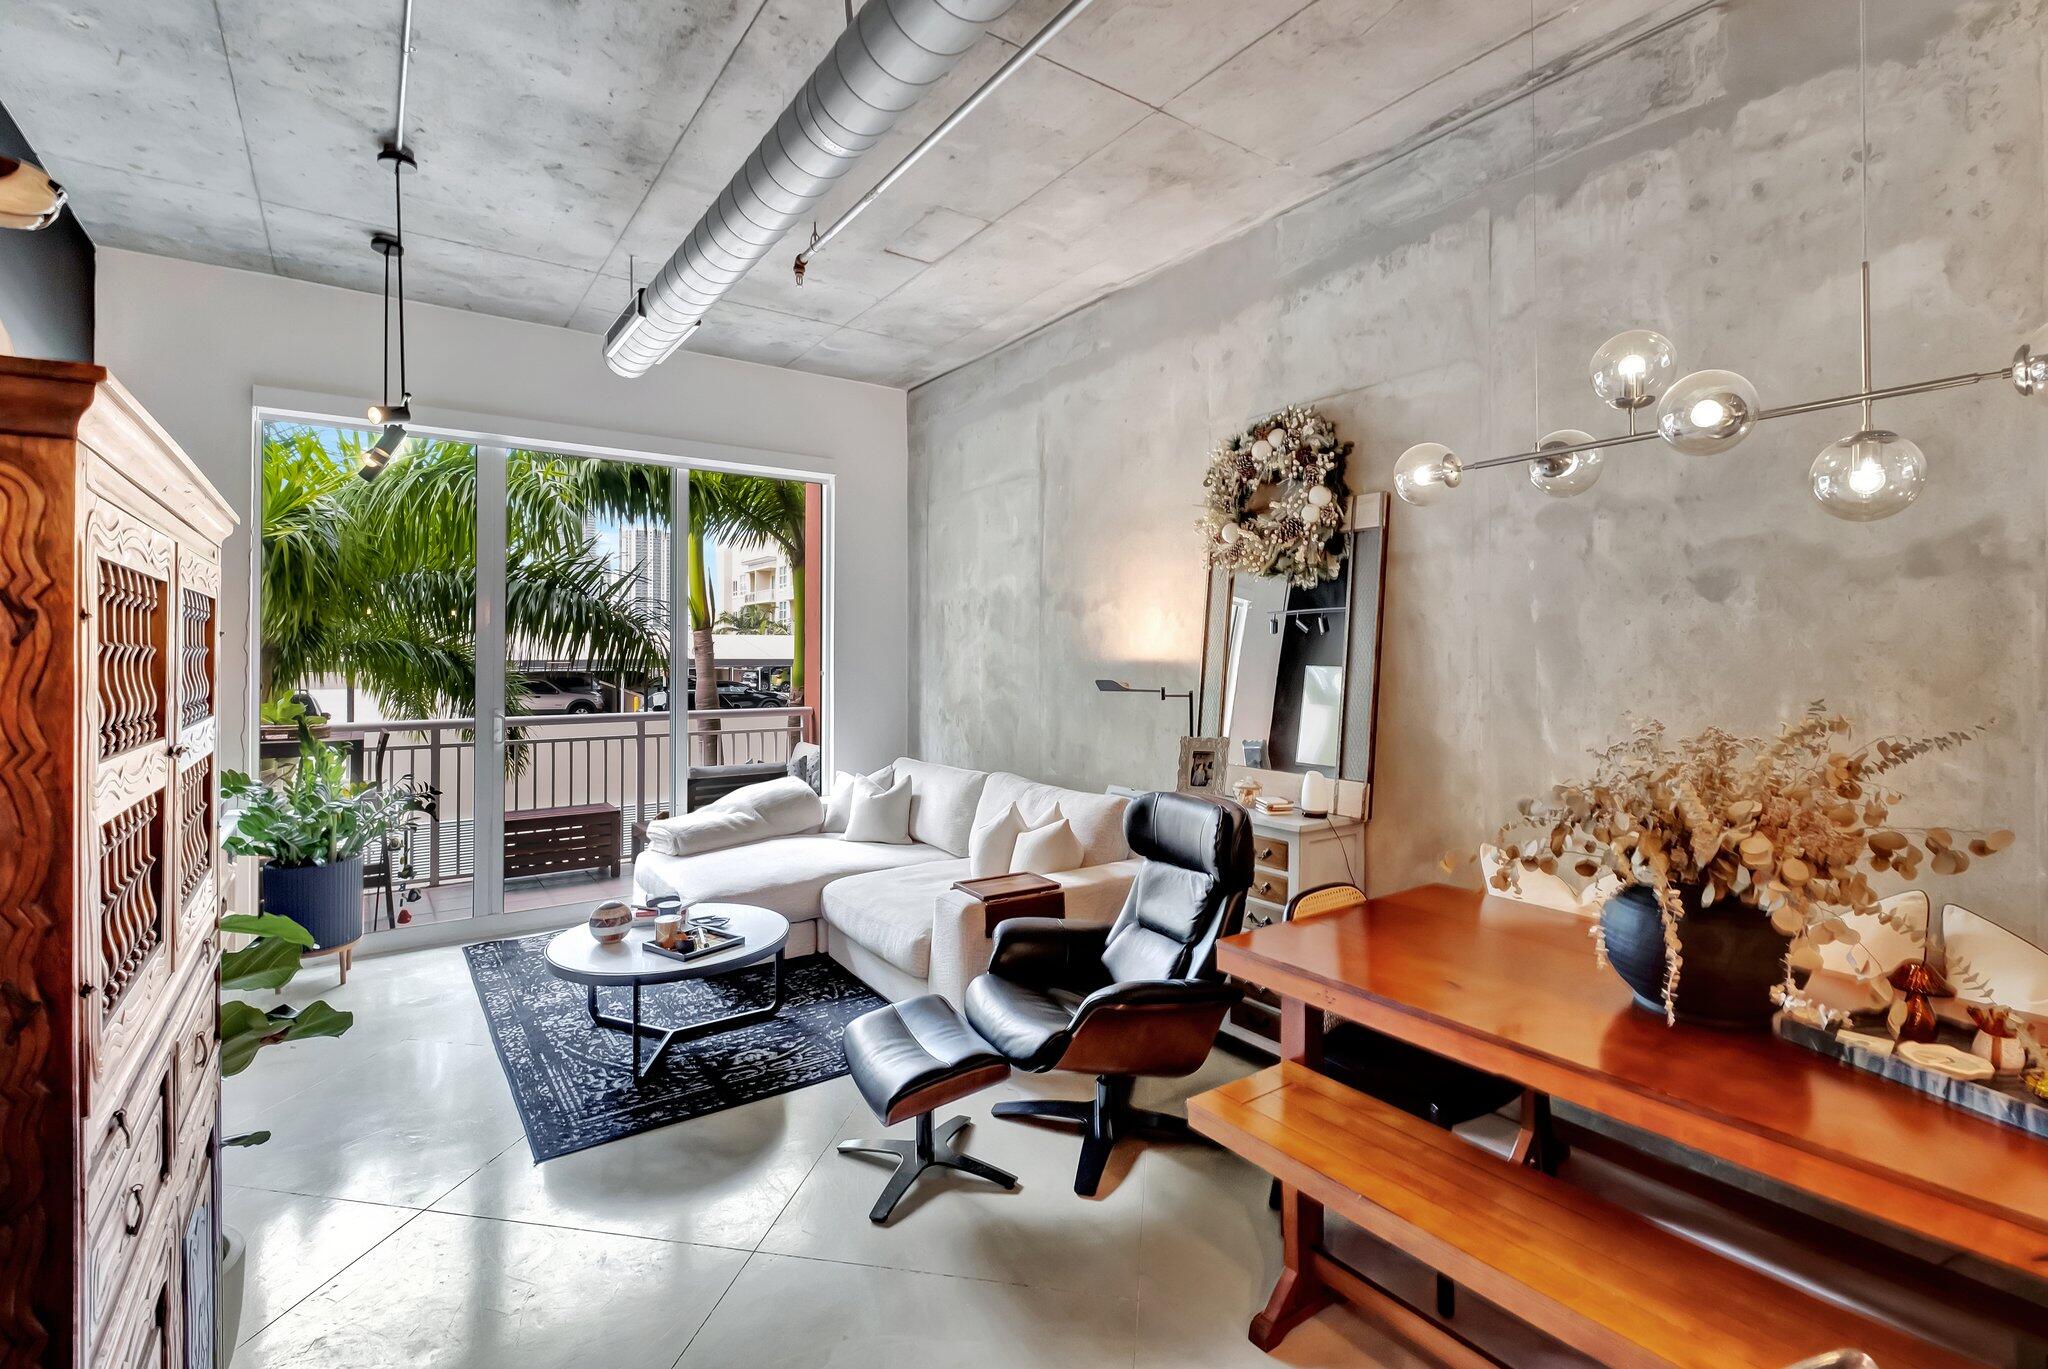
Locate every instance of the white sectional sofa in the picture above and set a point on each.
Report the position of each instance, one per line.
(889, 912)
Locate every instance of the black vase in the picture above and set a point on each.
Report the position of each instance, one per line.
(327, 900)
(1730, 956)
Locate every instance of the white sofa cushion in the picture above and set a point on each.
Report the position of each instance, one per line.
(889, 912)
(839, 803)
(784, 874)
(992, 843)
(881, 815)
(774, 808)
(1047, 850)
(1097, 820)
(944, 801)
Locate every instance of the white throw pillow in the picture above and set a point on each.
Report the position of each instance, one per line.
(881, 815)
(994, 843)
(839, 807)
(1047, 850)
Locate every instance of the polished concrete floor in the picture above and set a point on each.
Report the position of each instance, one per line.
(396, 1218)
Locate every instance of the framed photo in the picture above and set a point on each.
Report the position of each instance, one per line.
(1203, 763)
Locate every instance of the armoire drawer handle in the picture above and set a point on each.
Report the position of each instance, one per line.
(120, 1124)
(133, 1223)
(198, 1049)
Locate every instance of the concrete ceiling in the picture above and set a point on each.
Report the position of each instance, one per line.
(557, 139)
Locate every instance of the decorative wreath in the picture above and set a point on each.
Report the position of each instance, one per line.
(1272, 498)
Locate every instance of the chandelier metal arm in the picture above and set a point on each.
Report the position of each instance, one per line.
(1865, 396)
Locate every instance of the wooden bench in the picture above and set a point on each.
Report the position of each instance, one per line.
(1602, 1280)
(547, 841)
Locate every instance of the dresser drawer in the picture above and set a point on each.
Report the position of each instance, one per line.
(125, 1184)
(194, 1047)
(1269, 886)
(1271, 852)
(142, 1333)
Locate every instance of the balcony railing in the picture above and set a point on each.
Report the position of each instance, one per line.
(613, 760)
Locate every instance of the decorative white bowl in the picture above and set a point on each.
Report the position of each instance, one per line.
(610, 921)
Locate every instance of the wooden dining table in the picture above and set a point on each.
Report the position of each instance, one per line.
(1516, 990)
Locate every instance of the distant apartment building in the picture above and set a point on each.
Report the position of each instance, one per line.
(640, 554)
(755, 576)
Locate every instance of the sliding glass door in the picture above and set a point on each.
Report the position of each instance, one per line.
(527, 633)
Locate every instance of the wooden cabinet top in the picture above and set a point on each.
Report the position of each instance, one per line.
(77, 402)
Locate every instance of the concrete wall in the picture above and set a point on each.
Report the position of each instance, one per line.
(45, 277)
(195, 343)
(1704, 182)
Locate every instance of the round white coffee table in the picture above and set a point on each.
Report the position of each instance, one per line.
(580, 958)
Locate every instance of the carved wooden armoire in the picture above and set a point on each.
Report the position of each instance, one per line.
(110, 879)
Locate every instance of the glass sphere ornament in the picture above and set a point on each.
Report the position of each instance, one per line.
(1425, 471)
(1868, 475)
(1631, 369)
(1707, 412)
(2030, 364)
(1565, 476)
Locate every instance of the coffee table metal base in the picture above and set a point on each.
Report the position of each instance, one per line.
(668, 1036)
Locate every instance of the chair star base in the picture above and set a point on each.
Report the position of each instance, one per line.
(1108, 1119)
(932, 1148)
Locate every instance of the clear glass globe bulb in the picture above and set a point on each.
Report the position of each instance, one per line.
(1707, 412)
(1868, 475)
(1565, 476)
(1425, 471)
(1631, 369)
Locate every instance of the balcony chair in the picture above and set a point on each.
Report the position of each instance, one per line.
(1140, 997)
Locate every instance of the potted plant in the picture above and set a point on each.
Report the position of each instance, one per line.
(310, 826)
(1733, 858)
(268, 961)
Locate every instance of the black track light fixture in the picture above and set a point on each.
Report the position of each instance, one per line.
(393, 417)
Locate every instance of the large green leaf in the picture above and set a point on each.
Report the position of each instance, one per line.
(268, 924)
(244, 1028)
(266, 963)
(318, 1019)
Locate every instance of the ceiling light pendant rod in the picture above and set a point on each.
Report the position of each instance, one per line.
(946, 126)
(404, 78)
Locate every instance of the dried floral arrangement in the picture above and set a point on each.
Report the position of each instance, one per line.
(1794, 825)
(1272, 498)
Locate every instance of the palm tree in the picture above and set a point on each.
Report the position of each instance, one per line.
(752, 620)
(762, 510)
(376, 580)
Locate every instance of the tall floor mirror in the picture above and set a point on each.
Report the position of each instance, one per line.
(1290, 674)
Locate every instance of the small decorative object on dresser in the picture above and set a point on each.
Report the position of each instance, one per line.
(110, 575)
(1738, 856)
(1203, 764)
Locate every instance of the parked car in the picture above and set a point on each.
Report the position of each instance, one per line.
(546, 696)
(730, 695)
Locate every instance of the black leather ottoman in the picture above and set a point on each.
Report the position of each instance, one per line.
(909, 1059)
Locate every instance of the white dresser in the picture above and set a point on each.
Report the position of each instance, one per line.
(1290, 855)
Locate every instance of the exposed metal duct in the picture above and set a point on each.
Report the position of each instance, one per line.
(894, 52)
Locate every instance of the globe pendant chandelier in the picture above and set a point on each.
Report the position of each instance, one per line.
(1870, 474)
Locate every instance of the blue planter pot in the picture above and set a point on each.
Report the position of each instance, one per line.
(327, 900)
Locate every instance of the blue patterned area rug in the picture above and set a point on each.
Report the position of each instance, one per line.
(571, 1079)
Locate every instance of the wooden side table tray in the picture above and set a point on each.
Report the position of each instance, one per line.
(1003, 897)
